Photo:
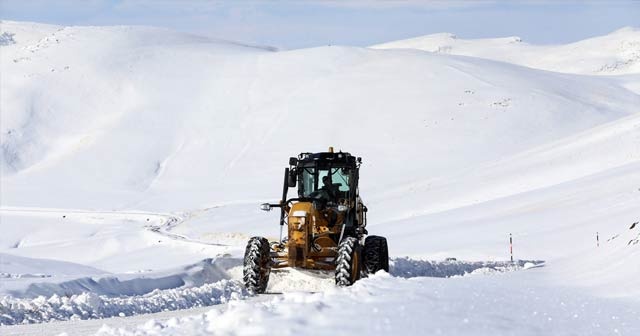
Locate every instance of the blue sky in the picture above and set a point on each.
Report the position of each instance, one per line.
(291, 24)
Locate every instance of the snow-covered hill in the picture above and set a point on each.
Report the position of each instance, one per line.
(614, 54)
(130, 154)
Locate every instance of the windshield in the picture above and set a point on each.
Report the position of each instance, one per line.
(330, 183)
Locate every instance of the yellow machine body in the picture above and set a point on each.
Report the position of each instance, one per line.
(312, 238)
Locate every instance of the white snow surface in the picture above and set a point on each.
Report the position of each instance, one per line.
(132, 161)
(90, 306)
(417, 306)
(87, 298)
(615, 53)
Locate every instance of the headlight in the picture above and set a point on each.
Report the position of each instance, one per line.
(299, 213)
(265, 207)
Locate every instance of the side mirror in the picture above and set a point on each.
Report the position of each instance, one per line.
(265, 207)
(292, 178)
(293, 161)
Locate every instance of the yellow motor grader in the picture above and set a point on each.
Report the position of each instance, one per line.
(325, 224)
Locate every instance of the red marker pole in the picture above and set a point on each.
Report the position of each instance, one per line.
(511, 246)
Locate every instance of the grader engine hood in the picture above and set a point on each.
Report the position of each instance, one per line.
(311, 233)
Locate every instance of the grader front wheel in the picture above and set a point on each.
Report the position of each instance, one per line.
(348, 262)
(257, 265)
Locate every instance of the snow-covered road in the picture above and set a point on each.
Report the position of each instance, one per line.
(483, 303)
(505, 304)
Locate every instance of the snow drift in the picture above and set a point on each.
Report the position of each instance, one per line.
(89, 305)
(381, 306)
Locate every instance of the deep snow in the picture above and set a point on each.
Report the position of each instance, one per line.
(514, 305)
(133, 159)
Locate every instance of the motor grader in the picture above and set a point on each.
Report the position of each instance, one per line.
(325, 224)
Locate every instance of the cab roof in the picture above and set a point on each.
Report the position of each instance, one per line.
(322, 158)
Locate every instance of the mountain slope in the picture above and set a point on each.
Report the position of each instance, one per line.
(614, 54)
(157, 114)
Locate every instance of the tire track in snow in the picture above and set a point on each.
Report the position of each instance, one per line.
(169, 221)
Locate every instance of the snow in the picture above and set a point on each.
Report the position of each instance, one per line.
(89, 305)
(20, 267)
(211, 283)
(410, 268)
(138, 283)
(387, 305)
(133, 161)
(88, 327)
(615, 53)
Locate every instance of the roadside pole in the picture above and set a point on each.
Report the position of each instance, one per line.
(511, 246)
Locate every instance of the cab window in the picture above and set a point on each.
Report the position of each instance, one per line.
(339, 179)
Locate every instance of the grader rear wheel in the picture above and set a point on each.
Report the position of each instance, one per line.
(376, 254)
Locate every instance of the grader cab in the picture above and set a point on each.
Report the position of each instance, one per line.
(325, 224)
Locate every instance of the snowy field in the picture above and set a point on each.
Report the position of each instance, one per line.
(133, 160)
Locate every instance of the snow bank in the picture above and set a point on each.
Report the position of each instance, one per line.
(130, 251)
(78, 304)
(297, 280)
(410, 268)
(12, 266)
(206, 271)
(384, 305)
(294, 280)
(91, 306)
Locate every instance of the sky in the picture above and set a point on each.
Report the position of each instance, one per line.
(288, 24)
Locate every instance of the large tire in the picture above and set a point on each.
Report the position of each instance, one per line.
(257, 265)
(376, 254)
(348, 262)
